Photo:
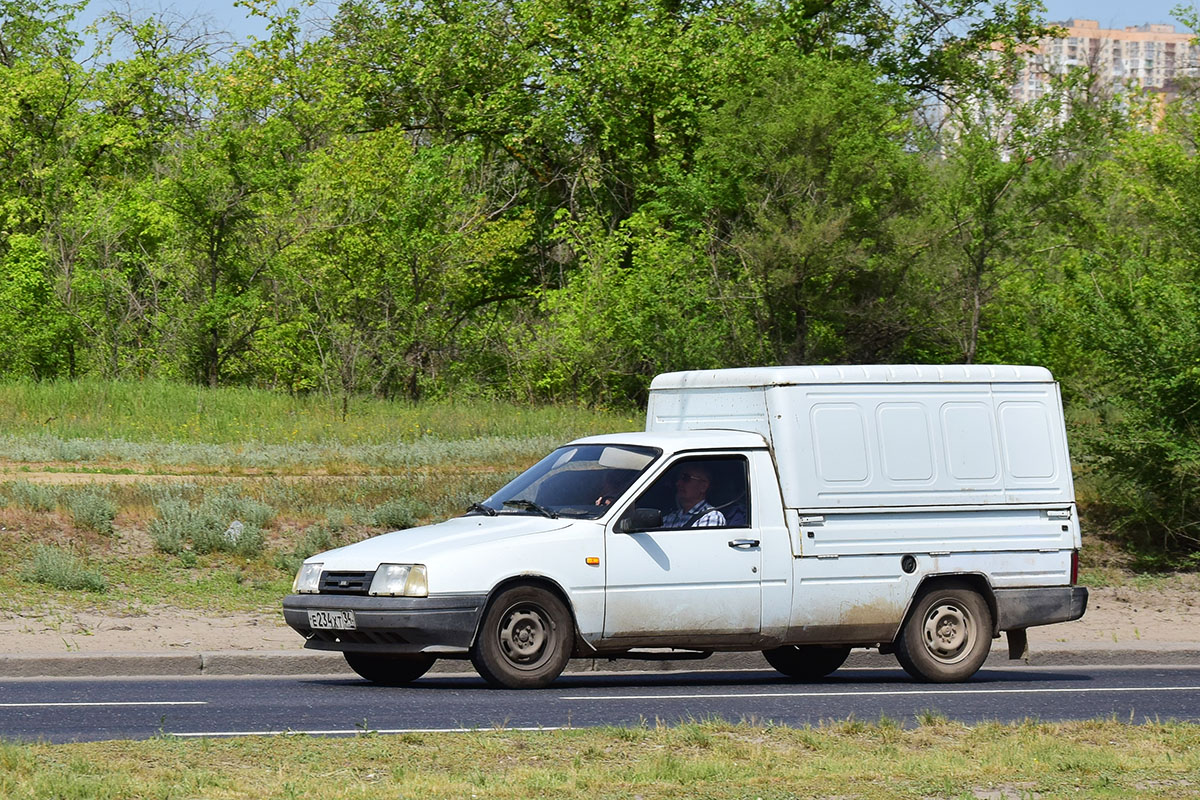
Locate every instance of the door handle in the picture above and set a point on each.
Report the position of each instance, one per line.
(743, 544)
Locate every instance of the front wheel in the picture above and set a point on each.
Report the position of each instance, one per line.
(948, 635)
(806, 662)
(388, 669)
(525, 639)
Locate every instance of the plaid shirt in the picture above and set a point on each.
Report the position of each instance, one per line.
(709, 517)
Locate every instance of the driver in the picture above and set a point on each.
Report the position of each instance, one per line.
(692, 509)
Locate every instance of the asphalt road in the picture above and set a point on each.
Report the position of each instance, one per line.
(60, 710)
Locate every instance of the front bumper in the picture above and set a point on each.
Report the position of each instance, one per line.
(1017, 609)
(445, 623)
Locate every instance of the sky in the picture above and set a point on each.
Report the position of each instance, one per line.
(222, 15)
(213, 15)
(1115, 13)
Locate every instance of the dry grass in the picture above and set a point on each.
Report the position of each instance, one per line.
(295, 514)
(143, 480)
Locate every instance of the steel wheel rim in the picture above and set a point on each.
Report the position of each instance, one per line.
(525, 635)
(948, 632)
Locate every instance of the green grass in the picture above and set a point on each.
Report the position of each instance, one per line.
(155, 426)
(711, 759)
(97, 456)
(52, 414)
(220, 583)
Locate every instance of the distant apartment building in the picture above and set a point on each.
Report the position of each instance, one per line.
(1150, 57)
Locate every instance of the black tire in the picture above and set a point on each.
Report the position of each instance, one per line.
(806, 662)
(947, 636)
(525, 639)
(389, 669)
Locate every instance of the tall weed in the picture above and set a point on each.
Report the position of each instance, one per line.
(223, 522)
(92, 509)
(90, 410)
(62, 569)
(174, 526)
(33, 496)
(229, 504)
(253, 454)
(396, 514)
(313, 540)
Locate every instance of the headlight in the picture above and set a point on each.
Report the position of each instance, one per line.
(400, 580)
(308, 579)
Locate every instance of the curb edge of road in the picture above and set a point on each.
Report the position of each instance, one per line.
(305, 662)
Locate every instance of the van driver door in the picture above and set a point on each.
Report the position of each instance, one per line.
(696, 577)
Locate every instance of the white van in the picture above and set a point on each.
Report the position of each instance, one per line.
(800, 511)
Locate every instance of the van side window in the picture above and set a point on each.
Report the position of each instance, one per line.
(710, 492)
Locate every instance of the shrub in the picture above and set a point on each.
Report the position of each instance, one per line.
(34, 496)
(93, 510)
(213, 525)
(1139, 319)
(61, 569)
(229, 505)
(313, 540)
(174, 526)
(237, 537)
(395, 514)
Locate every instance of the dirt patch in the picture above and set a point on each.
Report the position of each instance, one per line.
(143, 630)
(1131, 616)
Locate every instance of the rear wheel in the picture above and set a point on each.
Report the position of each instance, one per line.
(525, 640)
(806, 662)
(948, 635)
(390, 669)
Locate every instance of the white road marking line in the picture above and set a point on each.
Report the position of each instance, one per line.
(82, 704)
(355, 731)
(751, 695)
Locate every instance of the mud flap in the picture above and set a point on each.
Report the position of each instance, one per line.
(1018, 644)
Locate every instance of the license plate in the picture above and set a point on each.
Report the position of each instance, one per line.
(332, 620)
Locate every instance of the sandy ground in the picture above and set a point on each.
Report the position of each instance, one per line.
(146, 630)
(1120, 616)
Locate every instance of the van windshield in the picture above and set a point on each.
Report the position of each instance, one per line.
(579, 481)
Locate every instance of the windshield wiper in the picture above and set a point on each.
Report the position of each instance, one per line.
(529, 505)
(482, 509)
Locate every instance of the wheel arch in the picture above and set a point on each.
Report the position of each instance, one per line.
(974, 581)
(542, 582)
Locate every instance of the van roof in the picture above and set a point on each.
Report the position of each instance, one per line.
(676, 441)
(868, 373)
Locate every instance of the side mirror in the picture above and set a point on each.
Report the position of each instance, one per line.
(640, 519)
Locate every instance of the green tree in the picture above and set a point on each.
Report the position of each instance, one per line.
(1008, 184)
(1137, 314)
(812, 193)
(35, 333)
(42, 86)
(398, 255)
(110, 240)
(643, 301)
